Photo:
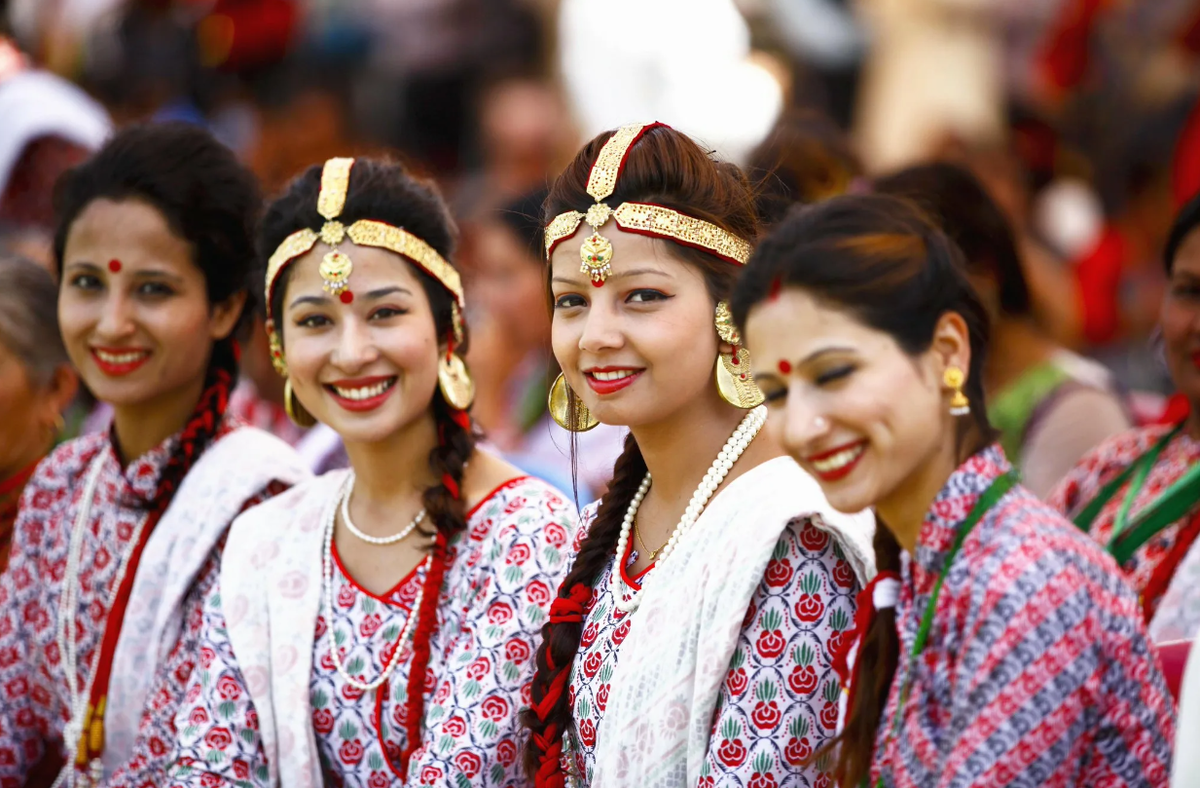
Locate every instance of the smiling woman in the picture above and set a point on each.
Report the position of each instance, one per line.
(119, 534)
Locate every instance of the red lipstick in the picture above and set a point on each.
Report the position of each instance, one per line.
(359, 405)
(836, 467)
(604, 387)
(116, 362)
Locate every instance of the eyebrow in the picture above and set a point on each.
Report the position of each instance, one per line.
(622, 275)
(387, 291)
(826, 351)
(309, 299)
(145, 273)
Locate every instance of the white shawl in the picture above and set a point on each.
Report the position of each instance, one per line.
(674, 662)
(229, 472)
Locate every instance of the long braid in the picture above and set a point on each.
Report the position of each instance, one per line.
(550, 712)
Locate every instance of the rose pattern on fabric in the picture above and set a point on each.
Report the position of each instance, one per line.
(1037, 670)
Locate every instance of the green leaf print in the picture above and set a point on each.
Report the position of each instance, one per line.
(830, 692)
(766, 691)
(494, 553)
(216, 600)
(190, 732)
(705, 769)
(247, 735)
(400, 693)
(348, 730)
(214, 756)
(355, 666)
(470, 689)
(488, 728)
(798, 727)
(585, 709)
(494, 631)
(511, 671)
(763, 762)
(804, 655)
(445, 743)
(339, 637)
(319, 699)
(839, 620)
(462, 780)
(771, 620)
(436, 713)
(262, 773)
(226, 709)
(736, 662)
(535, 614)
(810, 583)
(243, 784)
(368, 605)
(205, 678)
(497, 773)
(552, 555)
(375, 761)
(391, 632)
(781, 550)
(731, 729)
(514, 574)
(606, 672)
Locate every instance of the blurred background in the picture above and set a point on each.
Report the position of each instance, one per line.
(1079, 117)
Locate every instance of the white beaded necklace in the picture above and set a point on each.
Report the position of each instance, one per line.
(68, 604)
(380, 540)
(737, 443)
(409, 625)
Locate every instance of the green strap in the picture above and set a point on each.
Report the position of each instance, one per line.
(991, 496)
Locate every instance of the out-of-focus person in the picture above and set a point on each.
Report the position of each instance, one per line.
(1185, 771)
(1139, 493)
(511, 358)
(1050, 405)
(37, 381)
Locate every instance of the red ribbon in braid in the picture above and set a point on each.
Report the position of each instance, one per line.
(426, 621)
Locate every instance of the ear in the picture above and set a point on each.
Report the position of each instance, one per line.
(951, 346)
(224, 316)
(60, 391)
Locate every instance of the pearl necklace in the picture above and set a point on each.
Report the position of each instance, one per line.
(68, 604)
(327, 575)
(737, 443)
(380, 540)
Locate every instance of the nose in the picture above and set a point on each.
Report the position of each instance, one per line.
(116, 317)
(804, 423)
(356, 347)
(602, 329)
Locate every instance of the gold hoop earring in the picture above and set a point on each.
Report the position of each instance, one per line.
(455, 383)
(295, 411)
(954, 379)
(567, 410)
(735, 377)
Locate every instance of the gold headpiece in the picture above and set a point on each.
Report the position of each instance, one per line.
(636, 217)
(336, 267)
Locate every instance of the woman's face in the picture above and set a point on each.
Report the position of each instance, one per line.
(367, 368)
(1181, 320)
(510, 284)
(846, 402)
(133, 306)
(642, 346)
(30, 412)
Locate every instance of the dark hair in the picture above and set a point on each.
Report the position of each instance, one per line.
(386, 192)
(523, 218)
(207, 199)
(29, 318)
(805, 159)
(668, 168)
(879, 259)
(1186, 220)
(958, 203)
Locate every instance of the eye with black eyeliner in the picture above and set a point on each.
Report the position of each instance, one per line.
(86, 282)
(835, 374)
(155, 289)
(313, 321)
(385, 312)
(646, 295)
(773, 394)
(568, 301)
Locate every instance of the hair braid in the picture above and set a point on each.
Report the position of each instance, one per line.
(550, 713)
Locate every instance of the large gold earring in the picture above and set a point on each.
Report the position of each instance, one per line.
(455, 383)
(735, 377)
(567, 410)
(954, 379)
(295, 411)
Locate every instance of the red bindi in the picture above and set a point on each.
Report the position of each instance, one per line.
(785, 367)
(346, 296)
(114, 265)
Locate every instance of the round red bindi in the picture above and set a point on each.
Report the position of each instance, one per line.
(346, 296)
(114, 265)
(785, 367)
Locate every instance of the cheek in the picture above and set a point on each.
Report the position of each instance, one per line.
(1179, 321)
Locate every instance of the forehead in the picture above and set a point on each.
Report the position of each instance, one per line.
(795, 325)
(129, 230)
(372, 268)
(630, 251)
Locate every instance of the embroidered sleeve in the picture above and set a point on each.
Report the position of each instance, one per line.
(472, 729)
(780, 699)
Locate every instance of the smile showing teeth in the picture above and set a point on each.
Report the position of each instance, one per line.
(839, 460)
(364, 392)
(619, 374)
(121, 358)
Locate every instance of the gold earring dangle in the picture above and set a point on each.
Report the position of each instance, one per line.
(455, 382)
(295, 411)
(735, 377)
(567, 410)
(954, 379)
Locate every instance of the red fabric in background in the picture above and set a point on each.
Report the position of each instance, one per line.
(1062, 60)
(1098, 273)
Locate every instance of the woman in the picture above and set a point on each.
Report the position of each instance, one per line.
(690, 643)
(1139, 493)
(1050, 405)
(119, 533)
(37, 382)
(1015, 654)
(374, 625)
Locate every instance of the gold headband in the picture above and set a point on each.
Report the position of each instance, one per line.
(637, 217)
(336, 267)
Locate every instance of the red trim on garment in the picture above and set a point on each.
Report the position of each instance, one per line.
(426, 623)
(510, 483)
(635, 581)
(1156, 586)
(384, 598)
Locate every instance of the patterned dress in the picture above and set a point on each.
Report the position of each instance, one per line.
(503, 572)
(1150, 568)
(1037, 670)
(780, 698)
(33, 694)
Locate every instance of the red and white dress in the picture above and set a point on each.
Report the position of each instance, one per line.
(142, 653)
(268, 708)
(773, 697)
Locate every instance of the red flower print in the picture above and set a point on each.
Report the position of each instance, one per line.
(479, 668)
(506, 752)
(495, 708)
(779, 573)
(500, 613)
(843, 575)
(591, 665)
(589, 636)
(555, 534)
(379, 780)
(157, 747)
(766, 715)
(370, 625)
(323, 721)
(252, 719)
(517, 650)
(352, 693)
(797, 751)
(430, 775)
(602, 697)
(538, 593)
(443, 693)
(770, 643)
(620, 632)
(515, 505)
(823, 781)
(345, 597)
(218, 738)
(737, 682)
(9, 657)
(241, 769)
(829, 716)
(227, 688)
(809, 607)
(517, 554)
(803, 679)
(193, 693)
(751, 612)
(209, 780)
(468, 763)
(814, 538)
(207, 655)
(198, 716)
(351, 752)
(732, 753)
(587, 733)
(321, 627)
(480, 532)
(705, 782)
(455, 726)
(762, 780)
(835, 640)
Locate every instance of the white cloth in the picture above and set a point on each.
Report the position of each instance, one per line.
(231, 471)
(674, 662)
(1178, 613)
(1185, 772)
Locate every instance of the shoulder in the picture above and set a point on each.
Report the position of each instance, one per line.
(523, 506)
(1101, 463)
(70, 458)
(278, 515)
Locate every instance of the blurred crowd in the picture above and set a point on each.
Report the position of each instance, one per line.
(1064, 132)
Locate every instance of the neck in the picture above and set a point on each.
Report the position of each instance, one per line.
(1016, 347)
(142, 426)
(904, 512)
(392, 470)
